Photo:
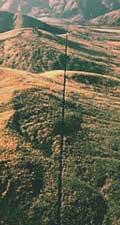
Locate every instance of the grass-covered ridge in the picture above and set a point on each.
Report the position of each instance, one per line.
(30, 126)
(10, 21)
(41, 48)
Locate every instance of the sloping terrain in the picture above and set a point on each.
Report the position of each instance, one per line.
(30, 128)
(67, 9)
(10, 21)
(36, 50)
(108, 19)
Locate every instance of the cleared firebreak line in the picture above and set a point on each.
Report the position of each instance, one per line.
(60, 168)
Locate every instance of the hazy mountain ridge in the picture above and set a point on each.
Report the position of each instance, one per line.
(108, 19)
(61, 9)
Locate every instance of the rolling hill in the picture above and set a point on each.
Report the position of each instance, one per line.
(30, 127)
(108, 19)
(36, 50)
(32, 60)
(10, 21)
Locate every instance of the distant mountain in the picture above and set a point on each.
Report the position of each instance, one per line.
(111, 18)
(94, 8)
(61, 8)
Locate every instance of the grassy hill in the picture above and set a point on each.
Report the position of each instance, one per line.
(108, 19)
(37, 50)
(30, 127)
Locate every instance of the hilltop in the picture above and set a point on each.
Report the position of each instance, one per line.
(108, 19)
(30, 126)
(36, 50)
(10, 21)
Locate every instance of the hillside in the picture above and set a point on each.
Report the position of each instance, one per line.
(35, 50)
(108, 19)
(10, 21)
(67, 9)
(30, 126)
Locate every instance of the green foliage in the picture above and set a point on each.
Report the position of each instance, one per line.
(6, 21)
(20, 185)
(72, 124)
(113, 192)
(96, 81)
(9, 21)
(85, 205)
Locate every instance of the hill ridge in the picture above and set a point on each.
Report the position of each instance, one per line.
(108, 19)
(10, 21)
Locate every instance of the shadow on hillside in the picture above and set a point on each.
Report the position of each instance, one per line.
(38, 116)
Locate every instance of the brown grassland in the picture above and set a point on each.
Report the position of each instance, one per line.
(30, 126)
(30, 107)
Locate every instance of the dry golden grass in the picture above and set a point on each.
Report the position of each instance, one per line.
(78, 84)
(89, 49)
(4, 117)
(30, 126)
